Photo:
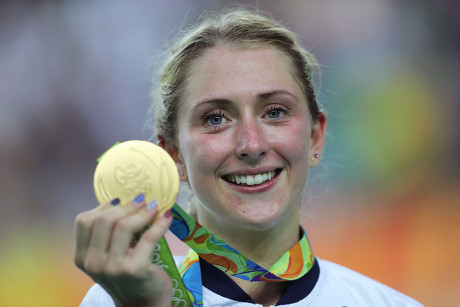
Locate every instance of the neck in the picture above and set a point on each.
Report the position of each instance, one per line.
(263, 246)
(263, 293)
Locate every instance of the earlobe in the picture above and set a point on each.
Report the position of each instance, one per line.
(318, 136)
(174, 152)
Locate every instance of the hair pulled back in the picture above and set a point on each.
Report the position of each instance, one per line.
(237, 27)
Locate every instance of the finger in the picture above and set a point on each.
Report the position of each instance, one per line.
(125, 230)
(145, 246)
(104, 223)
(83, 228)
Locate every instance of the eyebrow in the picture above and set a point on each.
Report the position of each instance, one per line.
(268, 95)
(260, 97)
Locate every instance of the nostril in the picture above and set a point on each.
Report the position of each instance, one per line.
(252, 154)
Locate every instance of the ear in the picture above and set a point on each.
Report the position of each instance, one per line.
(318, 136)
(174, 152)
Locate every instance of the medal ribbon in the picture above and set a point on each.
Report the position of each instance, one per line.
(295, 263)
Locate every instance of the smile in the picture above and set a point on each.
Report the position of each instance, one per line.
(251, 179)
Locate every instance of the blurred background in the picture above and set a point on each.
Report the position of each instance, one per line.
(75, 78)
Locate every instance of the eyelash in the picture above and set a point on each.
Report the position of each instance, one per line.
(214, 113)
(277, 107)
(220, 113)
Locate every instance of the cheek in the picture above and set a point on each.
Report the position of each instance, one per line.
(204, 152)
(293, 142)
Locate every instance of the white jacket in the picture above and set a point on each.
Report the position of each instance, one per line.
(335, 286)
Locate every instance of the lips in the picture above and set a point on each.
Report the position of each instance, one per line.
(250, 180)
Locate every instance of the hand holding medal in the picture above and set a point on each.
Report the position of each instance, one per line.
(135, 168)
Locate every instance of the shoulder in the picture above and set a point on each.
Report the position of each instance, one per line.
(357, 288)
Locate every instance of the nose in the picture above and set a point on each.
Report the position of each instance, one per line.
(251, 141)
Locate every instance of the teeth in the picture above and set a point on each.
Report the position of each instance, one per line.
(237, 179)
(250, 179)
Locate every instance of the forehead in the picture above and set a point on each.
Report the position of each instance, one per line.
(236, 71)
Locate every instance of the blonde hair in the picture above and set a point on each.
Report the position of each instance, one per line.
(236, 27)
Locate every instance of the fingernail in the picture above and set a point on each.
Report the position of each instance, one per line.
(139, 198)
(167, 213)
(115, 202)
(152, 205)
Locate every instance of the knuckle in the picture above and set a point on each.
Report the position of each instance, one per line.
(124, 225)
(82, 220)
(151, 235)
(112, 269)
(132, 269)
(103, 218)
(92, 266)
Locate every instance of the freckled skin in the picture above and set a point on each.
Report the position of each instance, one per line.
(247, 140)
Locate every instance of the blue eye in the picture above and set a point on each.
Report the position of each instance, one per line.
(275, 113)
(215, 120)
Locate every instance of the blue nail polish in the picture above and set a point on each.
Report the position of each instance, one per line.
(115, 202)
(139, 198)
(152, 205)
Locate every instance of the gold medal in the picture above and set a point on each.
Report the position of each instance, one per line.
(135, 167)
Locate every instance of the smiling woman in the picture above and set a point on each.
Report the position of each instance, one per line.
(237, 111)
(243, 88)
